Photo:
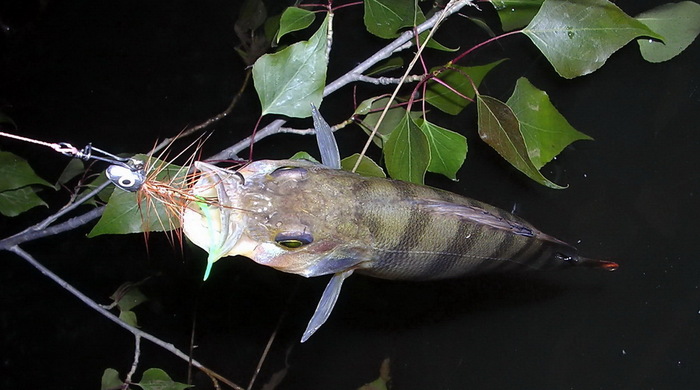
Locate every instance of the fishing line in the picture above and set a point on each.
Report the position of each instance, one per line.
(89, 152)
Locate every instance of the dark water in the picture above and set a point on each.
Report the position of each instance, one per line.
(122, 74)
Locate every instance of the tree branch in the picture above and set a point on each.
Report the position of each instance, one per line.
(109, 315)
(403, 42)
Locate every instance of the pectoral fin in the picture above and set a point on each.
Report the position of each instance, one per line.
(325, 305)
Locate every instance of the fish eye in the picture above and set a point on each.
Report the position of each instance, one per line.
(294, 240)
(125, 178)
(289, 172)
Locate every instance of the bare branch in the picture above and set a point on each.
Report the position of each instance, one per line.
(109, 315)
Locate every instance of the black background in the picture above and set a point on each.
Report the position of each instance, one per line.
(123, 74)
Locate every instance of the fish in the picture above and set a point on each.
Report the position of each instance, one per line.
(313, 219)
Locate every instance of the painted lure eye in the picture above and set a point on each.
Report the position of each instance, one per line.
(125, 178)
(294, 240)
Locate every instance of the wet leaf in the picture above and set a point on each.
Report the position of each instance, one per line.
(157, 379)
(367, 166)
(448, 149)
(407, 152)
(137, 212)
(16, 173)
(294, 19)
(545, 131)
(15, 202)
(577, 37)
(385, 18)
(499, 127)
(516, 14)
(678, 23)
(110, 380)
(365, 106)
(128, 317)
(289, 81)
(460, 78)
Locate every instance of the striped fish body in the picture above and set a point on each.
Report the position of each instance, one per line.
(308, 219)
(304, 218)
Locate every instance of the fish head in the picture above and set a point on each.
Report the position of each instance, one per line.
(284, 214)
(211, 219)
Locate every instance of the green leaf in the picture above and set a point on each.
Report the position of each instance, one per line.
(289, 81)
(499, 127)
(448, 149)
(385, 18)
(251, 15)
(678, 23)
(577, 37)
(365, 106)
(15, 202)
(303, 156)
(385, 66)
(367, 166)
(460, 78)
(130, 299)
(6, 119)
(390, 122)
(407, 152)
(157, 379)
(102, 195)
(432, 43)
(129, 317)
(110, 380)
(16, 173)
(129, 212)
(74, 168)
(294, 19)
(545, 131)
(516, 14)
(16, 177)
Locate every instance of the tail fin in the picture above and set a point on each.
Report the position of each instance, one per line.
(593, 263)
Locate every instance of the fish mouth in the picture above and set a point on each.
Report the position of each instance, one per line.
(212, 220)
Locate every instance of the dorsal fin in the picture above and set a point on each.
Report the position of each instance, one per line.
(330, 156)
(484, 217)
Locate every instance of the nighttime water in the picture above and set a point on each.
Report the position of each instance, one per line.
(122, 75)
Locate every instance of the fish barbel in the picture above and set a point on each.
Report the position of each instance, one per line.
(308, 219)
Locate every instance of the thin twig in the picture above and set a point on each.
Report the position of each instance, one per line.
(134, 364)
(109, 315)
(453, 4)
(272, 337)
(30, 234)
